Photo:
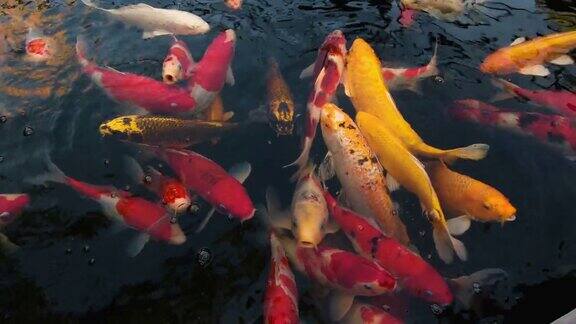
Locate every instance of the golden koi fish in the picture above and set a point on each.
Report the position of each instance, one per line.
(359, 172)
(164, 131)
(527, 57)
(367, 90)
(466, 198)
(404, 169)
(280, 102)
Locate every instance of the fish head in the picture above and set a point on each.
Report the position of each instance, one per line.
(172, 70)
(122, 128)
(197, 26)
(497, 63)
(335, 43)
(499, 206)
(175, 196)
(309, 223)
(282, 116)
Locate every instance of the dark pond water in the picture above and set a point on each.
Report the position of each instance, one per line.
(72, 265)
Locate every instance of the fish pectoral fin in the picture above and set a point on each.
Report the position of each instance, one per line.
(206, 220)
(563, 60)
(307, 72)
(391, 183)
(230, 77)
(240, 171)
(137, 244)
(459, 225)
(7, 246)
(153, 33)
(227, 116)
(518, 40)
(326, 170)
(340, 304)
(446, 245)
(331, 227)
(536, 70)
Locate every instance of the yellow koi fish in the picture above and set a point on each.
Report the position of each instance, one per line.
(527, 57)
(367, 90)
(406, 170)
(359, 172)
(468, 199)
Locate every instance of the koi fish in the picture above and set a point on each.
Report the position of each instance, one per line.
(156, 21)
(308, 215)
(367, 90)
(281, 295)
(554, 131)
(406, 170)
(213, 70)
(233, 4)
(326, 72)
(359, 171)
(562, 102)
(38, 46)
(409, 78)
(527, 57)
(446, 10)
(368, 314)
(222, 190)
(347, 273)
(148, 218)
(11, 205)
(168, 132)
(280, 102)
(178, 64)
(414, 274)
(137, 90)
(173, 194)
(468, 199)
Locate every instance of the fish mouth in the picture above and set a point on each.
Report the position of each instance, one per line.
(307, 244)
(169, 79)
(511, 218)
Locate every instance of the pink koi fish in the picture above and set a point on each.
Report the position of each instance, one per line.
(409, 78)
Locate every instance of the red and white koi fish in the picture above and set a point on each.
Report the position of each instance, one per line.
(213, 70)
(38, 46)
(327, 73)
(11, 205)
(414, 274)
(172, 192)
(281, 295)
(553, 130)
(562, 102)
(233, 4)
(204, 177)
(178, 64)
(409, 78)
(347, 273)
(137, 90)
(368, 314)
(140, 214)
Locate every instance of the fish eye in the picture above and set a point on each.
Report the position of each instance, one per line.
(294, 224)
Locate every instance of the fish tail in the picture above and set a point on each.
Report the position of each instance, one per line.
(446, 245)
(471, 152)
(463, 287)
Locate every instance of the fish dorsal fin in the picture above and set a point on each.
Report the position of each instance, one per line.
(537, 70)
(518, 40)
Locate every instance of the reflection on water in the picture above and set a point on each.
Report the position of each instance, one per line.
(72, 266)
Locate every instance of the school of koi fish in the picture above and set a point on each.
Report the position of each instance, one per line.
(343, 232)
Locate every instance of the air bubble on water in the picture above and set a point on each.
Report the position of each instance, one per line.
(3, 119)
(68, 251)
(148, 179)
(194, 208)
(436, 309)
(28, 131)
(422, 232)
(86, 249)
(106, 161)
(386, 308)
(476, 288)
(1, 159)
(429, 256)
(438, 79)
(173, 220)
(204, 257)
(91, 261)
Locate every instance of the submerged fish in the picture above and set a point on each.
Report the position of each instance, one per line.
(414, 274)
(555, 131)
(280, 102)
(233, 4)
(527, 57)
(468, 199)
(178, 64)
(308, 215)
(359, 171)
(149, 218)
(326, 73)
(361, 313)
(168, 132)
(406, 170)
(409, 78)
(561, 101)
(281, 295)
(157, 21)
(448, 10)
(347, 273)
(367, 90)
(11, 206)
(38, 46)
